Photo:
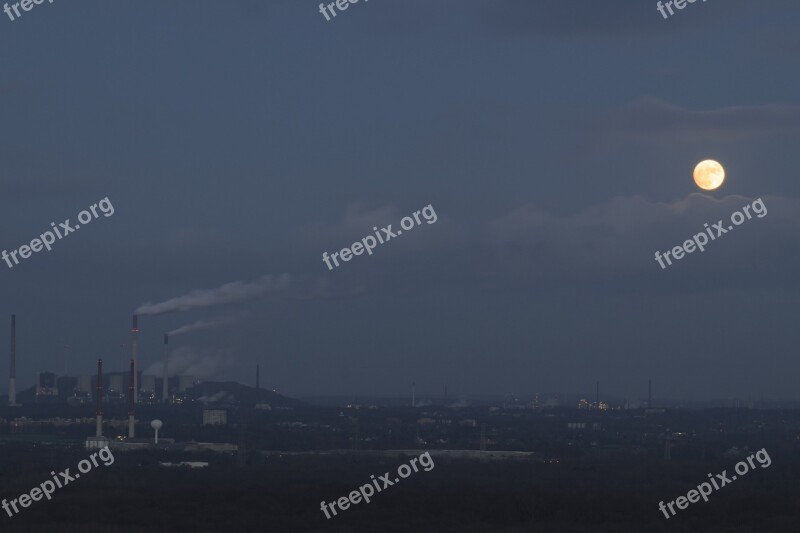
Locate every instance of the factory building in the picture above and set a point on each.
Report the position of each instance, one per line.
(66, 384)
(148, 384)
(46, 389)
(115, 383)
(84, 383)
(185, 382)
(215, 417)
(95, 443)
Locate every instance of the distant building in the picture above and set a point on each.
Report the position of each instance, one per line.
(214, 417)
(46, 386)
(79, 397)
(186, 464)
(148, 383)
(46, 380)
(66, 385)
(95, 443)
(25, 425)
(116, 382)
(219, 447)
(185, 382)
(84, 383)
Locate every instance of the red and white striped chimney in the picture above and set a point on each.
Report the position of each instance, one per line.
(131, 406)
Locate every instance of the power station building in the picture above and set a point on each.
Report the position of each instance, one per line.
(84, 383)
(46, 388)
(148, 383)
(116, 383)
(185, 382)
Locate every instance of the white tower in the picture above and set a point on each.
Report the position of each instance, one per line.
(156, 424)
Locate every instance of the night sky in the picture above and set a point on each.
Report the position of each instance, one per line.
(555, 140)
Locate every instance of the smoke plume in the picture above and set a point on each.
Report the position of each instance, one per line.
(185, 361)
(202, 324)
(236, 291)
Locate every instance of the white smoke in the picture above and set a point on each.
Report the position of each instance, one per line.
(203, 324)
(235, 291)
(185, 361)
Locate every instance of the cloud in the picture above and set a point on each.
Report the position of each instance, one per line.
(618, 20)
(620, 237)
(358, 221)
(608, 246)
(653, 118)
(560, 18)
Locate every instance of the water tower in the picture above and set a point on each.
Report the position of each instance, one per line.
(156, 424)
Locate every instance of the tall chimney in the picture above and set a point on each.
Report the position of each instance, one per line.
(258, 377)
(134, 335)
(131, 406)
(12, 375)
(165, 385)
(99, 398)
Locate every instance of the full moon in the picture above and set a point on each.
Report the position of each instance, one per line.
(709, 174)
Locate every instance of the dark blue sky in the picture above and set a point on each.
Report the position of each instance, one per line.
(554, 139)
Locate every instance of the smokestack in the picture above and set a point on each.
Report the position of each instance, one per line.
(99, 398)
(165, 385)
(134, 335)
(131, 407)
(649, 393)
(258, 377)
(12, 375)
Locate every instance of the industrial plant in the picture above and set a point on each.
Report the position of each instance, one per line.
(129, 406)
(85, 388)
